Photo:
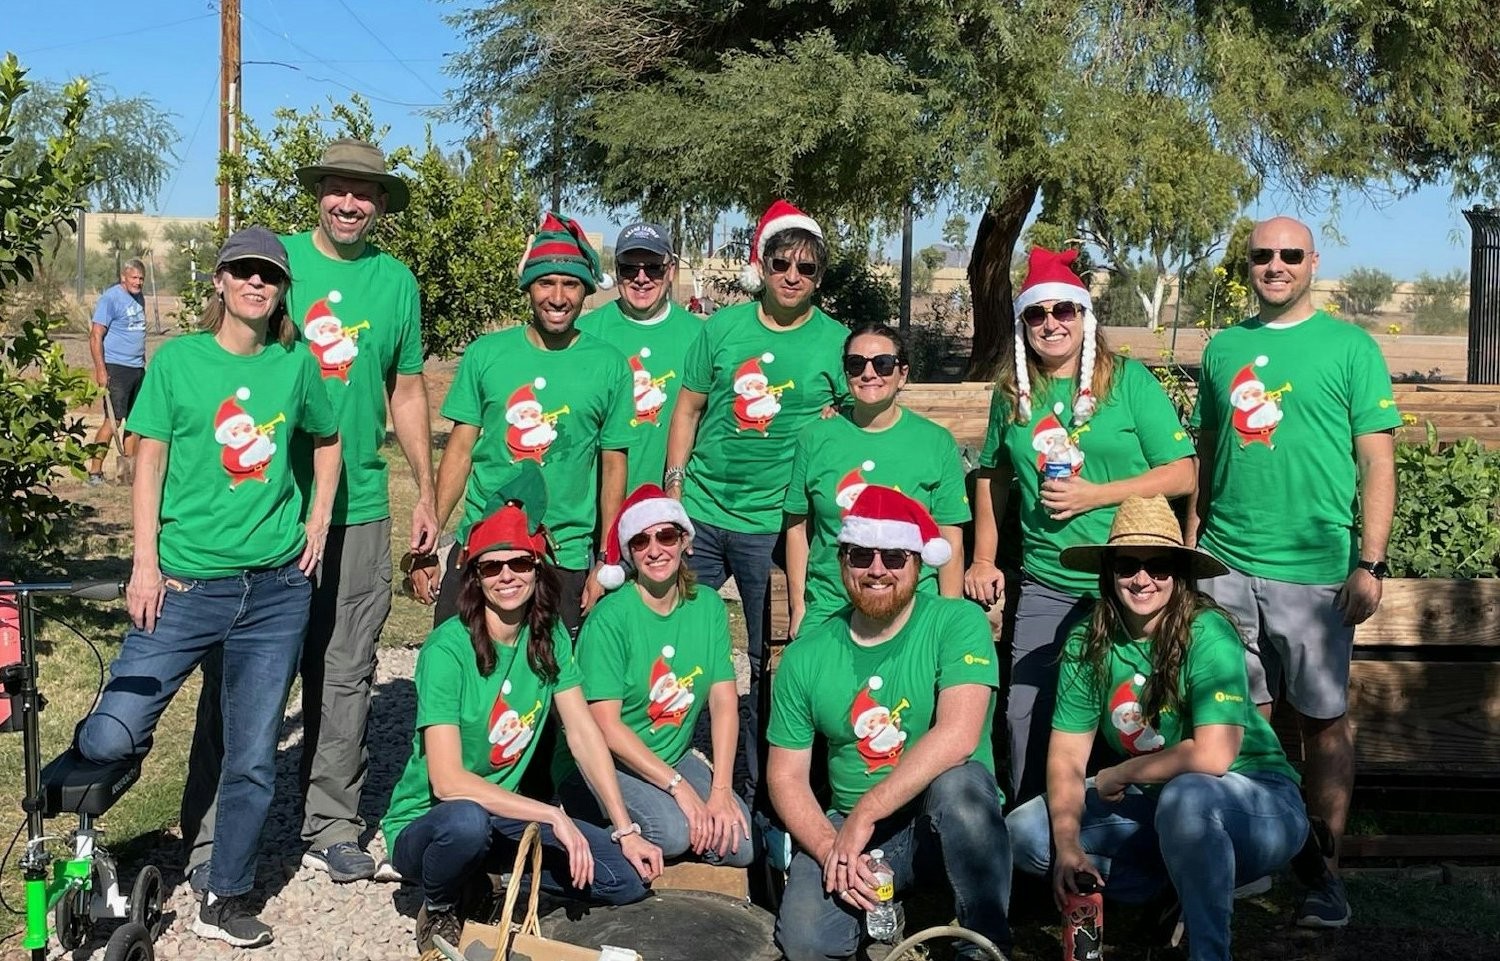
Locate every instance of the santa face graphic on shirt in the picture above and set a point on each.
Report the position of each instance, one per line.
(1256, 411)
(649, 398)
(1129, 721)
(877, 727)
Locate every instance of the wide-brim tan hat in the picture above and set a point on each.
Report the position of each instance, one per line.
(1143, 522)
(360, 160)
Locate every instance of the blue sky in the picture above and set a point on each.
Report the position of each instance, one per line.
(394, 51)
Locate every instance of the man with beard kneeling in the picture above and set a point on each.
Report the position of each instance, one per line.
(902, 688)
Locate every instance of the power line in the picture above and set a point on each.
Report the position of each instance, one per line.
(213, 92)
(118, 34)
(376, 37)
(362, 89)
(340, 83)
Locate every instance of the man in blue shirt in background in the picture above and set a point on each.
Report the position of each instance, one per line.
(117, 342)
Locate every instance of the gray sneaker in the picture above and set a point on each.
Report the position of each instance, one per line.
(344, 862)
(1326, 905)
(96, 480)
(231, 920)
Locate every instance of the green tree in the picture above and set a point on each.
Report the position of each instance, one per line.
(956, 230)
(924, 267)
(124, 239)
(189, 245)
(1436, 302)
(38, 389)
(462, 235)
(1364, 290)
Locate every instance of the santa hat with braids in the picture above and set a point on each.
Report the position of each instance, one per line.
(1050, 276)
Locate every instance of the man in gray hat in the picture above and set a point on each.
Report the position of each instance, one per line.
(654, 333)
(358, 309)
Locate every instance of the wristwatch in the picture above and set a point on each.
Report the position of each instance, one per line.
(1379, 570)
(672, 784)
(616, 836)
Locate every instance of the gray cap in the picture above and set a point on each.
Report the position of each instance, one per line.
(254, 243)
(649, 237)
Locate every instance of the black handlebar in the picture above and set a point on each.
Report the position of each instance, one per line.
(84, 590)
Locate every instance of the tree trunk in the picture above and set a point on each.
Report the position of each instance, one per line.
(989, 279)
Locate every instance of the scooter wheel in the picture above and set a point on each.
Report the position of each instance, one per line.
(71, 918)
(130, 942)
(145, 901)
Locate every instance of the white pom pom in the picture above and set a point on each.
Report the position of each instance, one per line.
(751, 279)
(669, 651)
(767, 357)
(540, 383)
(1057, 408)
(243, 393)
(505, 687)
(867, 465)
(1084, 407)
(875, 682)
(1139, 679)
(334, 296)
(606, 281)
(1262, 360)
(645, 352)
(611, 576)
(937, 552)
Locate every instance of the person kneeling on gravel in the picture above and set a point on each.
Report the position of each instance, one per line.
(487, 680)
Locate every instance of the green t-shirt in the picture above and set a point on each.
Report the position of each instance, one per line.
(659, 668)
(835, 460)
(362, 321)
(1134, 430)
(871, 703)
(559, 408)
(763, 387)
(498, 717)
(657, 352)
(1282, 498)
(1212, 681)
(229, 501)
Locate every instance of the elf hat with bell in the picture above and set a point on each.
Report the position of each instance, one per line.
(1050, 276)
(232, 415)
(513, 517)
(883, 517)
(560, 246)
(647, 506)
(778, 217)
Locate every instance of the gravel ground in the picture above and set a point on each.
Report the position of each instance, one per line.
(315, 919)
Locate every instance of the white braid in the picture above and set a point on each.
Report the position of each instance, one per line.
(1023, 376)
(1084, 404)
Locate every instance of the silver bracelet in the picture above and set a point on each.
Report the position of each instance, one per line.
(617, 836)
(673, 477)
(671, 787)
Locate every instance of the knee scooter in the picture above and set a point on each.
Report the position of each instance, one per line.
(83, 886)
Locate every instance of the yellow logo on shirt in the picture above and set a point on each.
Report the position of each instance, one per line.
(1222, 696)
(976, 659)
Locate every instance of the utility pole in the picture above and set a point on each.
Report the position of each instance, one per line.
(905, 322)
(229, 95)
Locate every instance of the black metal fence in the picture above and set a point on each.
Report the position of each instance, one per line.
(1484, 296)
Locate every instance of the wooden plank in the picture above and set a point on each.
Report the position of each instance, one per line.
(1421, 718)
(693, 876)
(1416, 612)
(1427, 847)
(781, 612)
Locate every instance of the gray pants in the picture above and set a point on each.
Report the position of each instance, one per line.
(1043, 619)
(349, 608)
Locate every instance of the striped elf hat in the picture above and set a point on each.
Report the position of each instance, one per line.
(560, 247)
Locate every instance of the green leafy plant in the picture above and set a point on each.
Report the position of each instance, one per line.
(1447, 521)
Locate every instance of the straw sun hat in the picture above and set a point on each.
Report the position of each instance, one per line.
(1143, 522)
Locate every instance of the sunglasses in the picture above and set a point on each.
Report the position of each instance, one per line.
(653, 271)
(861, 558)
(780, 265)
(245, 269)
(666, 537)
(1063, 311)
(1157, 568)
(884, 364)
(1291, 256)
(522, 564)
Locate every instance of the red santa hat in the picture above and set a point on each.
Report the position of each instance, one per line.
(1050, 276)
(660, 670)
(1246, 379)
(865, 709)
(524, 396)
(647, 506)
(1047, 429)
(778, 217)
(883, 517)
(751, 368)
(320, 309)
(636, 367)
(854, 478)
(231, 414)
(1126, 693)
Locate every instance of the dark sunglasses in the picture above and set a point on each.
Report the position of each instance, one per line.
(884, 364)
(521, 564)
(1291, 256)
(1062, 312)
(780, 265)
(245, 269)
(1157, 568)
(653, 271)
(862, 557)
(666, 537)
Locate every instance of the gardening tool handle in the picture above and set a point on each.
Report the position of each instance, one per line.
(97, 590)
(531, 844)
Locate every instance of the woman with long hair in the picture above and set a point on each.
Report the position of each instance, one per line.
(223, 555)
(487, 680)
(1202, 796)
(1078, 428)
(874, 440)
(653, 655)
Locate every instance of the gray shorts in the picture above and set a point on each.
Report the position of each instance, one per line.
(1295, 632)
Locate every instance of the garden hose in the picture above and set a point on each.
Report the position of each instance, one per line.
(900, 951)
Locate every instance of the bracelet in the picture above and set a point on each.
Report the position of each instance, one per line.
(617, 836)
(673, 477)
(671, 787)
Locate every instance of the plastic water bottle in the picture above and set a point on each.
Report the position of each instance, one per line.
(1058, 464)
(880, 921)
(1083, 921)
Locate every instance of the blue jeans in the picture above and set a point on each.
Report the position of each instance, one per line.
(255, 620)
(953, 830)
(455, 840)
(1205, 834)
(662, 821)
(717, 555)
